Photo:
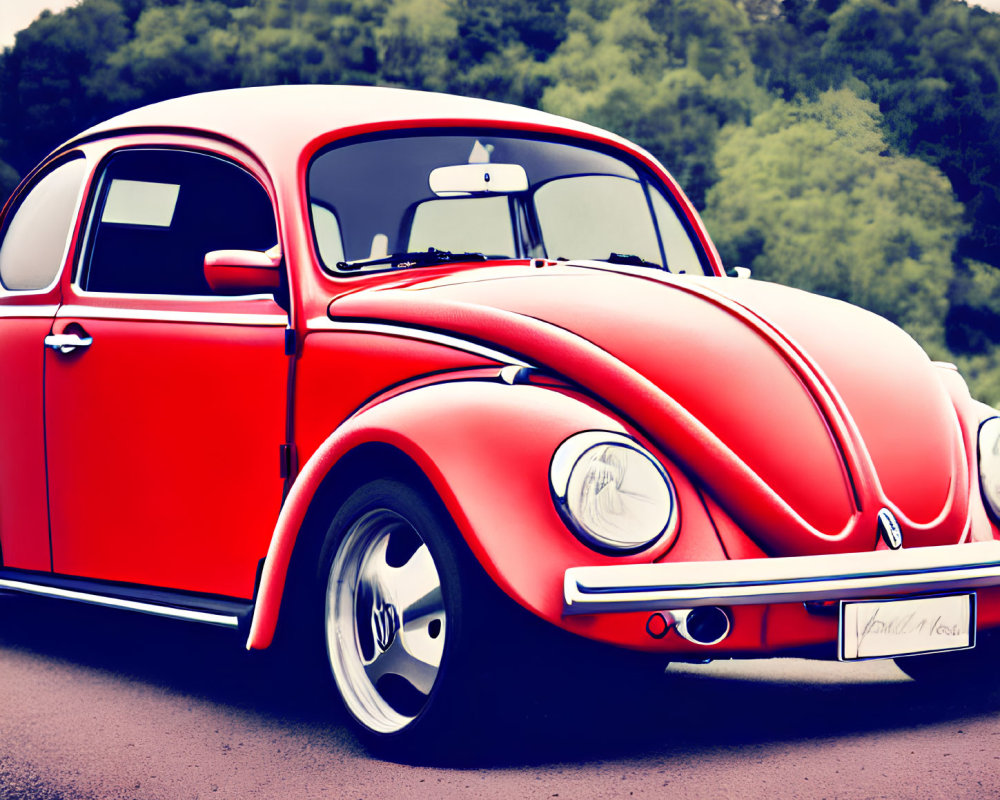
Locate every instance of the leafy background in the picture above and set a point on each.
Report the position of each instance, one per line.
(850, 147)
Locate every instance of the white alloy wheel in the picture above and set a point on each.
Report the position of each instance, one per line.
(385, 621)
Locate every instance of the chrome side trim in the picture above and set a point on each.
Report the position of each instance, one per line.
(419, 334)
(28, 311)
(654, 587)
(225, 620)
(154, 315)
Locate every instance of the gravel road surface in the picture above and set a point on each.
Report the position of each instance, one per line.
(100, 705)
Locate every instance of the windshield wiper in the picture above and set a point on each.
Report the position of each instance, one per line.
(419, 258)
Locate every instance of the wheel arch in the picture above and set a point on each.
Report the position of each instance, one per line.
(364, 463)
(334, 472)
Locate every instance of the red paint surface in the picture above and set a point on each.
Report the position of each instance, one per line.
(24, 523)
(338, 372)
(726, 396)
(163, 452)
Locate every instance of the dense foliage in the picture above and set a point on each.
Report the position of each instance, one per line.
(851, 147)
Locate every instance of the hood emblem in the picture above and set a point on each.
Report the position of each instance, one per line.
(889, 530)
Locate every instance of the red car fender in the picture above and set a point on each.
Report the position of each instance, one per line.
(485, 447)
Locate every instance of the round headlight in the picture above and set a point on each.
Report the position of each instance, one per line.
(612, 492)
(989, 465)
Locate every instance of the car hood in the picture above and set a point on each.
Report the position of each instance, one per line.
(802, 416)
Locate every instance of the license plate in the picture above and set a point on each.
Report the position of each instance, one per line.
(908, 626)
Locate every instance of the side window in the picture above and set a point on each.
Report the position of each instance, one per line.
(34, 241)
(158, 212)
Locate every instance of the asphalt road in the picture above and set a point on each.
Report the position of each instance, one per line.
(106, 705)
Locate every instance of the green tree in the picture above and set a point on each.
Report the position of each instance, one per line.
(786, 41)
(933, 66)
(174, 50)
(308, 41)
(667, 76)
(413, 42)
(201, 45)
(973, 326)
(8, 181)
(973, 321)
(43, 94)
(500, 45)
(810, 195)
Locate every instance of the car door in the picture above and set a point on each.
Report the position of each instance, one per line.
(33, 249)
(165, 404)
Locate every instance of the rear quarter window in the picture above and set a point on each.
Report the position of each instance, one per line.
(36, 233)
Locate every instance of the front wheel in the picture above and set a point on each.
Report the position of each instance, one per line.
(406, 607)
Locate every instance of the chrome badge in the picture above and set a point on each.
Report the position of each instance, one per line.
(889, 530)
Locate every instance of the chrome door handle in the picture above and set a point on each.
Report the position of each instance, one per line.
(67, 342)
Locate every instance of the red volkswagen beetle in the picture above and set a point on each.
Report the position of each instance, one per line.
(381, 367)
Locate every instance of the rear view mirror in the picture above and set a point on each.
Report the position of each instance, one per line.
(465, 179)
(243, 271)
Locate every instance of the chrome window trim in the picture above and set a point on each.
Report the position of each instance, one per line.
(420, 334)
(197, 298)
(190, 615)
(165, 315)
(843, 576)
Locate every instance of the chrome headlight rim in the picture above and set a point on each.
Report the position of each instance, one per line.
(565, 459)
(988, 438)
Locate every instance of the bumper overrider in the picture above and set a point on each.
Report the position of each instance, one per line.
(847, 576)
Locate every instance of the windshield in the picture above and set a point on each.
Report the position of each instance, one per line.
(377, 204)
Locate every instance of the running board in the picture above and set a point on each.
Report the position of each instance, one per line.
(206, 609)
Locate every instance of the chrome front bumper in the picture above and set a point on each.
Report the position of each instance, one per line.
(654, 587)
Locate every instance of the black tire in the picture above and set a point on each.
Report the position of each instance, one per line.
(978, 668)
(409, 620)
